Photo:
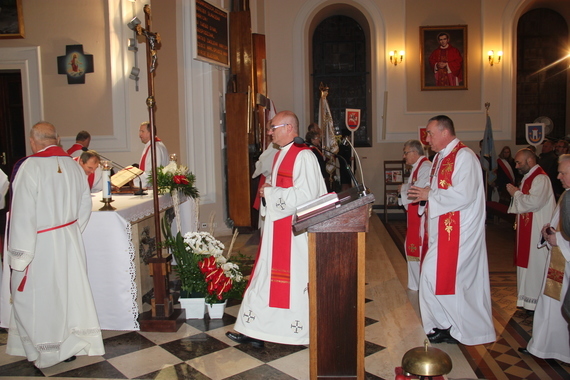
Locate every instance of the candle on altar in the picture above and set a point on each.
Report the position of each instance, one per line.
(106, 176)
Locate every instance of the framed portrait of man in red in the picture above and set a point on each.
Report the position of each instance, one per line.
(443, 57)
(11, 19)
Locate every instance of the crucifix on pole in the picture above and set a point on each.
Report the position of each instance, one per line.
(162, 317)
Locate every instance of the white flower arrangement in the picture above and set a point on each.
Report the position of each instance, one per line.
(202, 243)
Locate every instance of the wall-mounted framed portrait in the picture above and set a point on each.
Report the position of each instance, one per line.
(443, 52)
(11, 19)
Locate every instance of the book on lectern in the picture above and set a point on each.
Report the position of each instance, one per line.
(316, 206)
(124, 176)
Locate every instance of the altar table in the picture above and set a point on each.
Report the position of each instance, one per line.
(116, 244)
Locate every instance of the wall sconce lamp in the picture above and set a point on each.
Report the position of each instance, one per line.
(495, 58)
(394, 57)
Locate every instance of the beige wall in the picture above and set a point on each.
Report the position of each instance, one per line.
(70, 108)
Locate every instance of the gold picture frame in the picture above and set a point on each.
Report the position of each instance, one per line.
(12, 20)
(443, 57)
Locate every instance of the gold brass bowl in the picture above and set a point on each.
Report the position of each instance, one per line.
(426, 361)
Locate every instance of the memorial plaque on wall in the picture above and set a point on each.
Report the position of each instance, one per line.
(210, 33)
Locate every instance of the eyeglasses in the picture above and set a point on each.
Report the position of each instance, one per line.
(274, 127)
(408, 152)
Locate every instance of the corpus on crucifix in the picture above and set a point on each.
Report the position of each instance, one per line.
(162, 317)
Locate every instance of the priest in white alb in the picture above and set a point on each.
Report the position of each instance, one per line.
(53, 315)
(550, 337)
(533, 203)
(454, 295)
(145, 164)
(82, 141)
(416, 243)
(275, 307)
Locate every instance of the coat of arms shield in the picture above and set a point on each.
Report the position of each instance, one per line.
(535, 133)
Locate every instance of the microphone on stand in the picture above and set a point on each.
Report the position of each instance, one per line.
(300, 140)
(140, 191)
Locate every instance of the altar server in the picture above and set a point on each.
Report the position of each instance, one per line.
(455, 297)
(53, 314)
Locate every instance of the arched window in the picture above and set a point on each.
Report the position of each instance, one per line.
(341, 62)
(542, 40)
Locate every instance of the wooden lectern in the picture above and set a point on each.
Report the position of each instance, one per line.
(336, 285)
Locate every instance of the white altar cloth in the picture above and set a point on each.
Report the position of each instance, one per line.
(111, 256)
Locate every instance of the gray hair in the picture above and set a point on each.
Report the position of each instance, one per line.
(44, 133)
(415, 145)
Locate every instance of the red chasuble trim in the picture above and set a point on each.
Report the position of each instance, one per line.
(524, 225)
(414, 243)
(448, 231)
(280, 287)
(143, 158)
(51, 151)
(74, 148)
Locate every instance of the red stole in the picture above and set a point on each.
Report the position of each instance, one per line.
(414, 245)
(74, 148)
(448, 231)
(280, 287)
(142, 164)
(257, 201)
(524, 225)
(51, 151)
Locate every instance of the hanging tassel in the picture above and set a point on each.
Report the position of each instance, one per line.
(23, 282)
(58, 168)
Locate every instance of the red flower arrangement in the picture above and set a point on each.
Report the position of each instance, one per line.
(180, 180)
(217, 282)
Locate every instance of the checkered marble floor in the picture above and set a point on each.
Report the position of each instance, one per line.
(198, 350)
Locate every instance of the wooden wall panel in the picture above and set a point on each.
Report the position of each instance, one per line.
(239, 183)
